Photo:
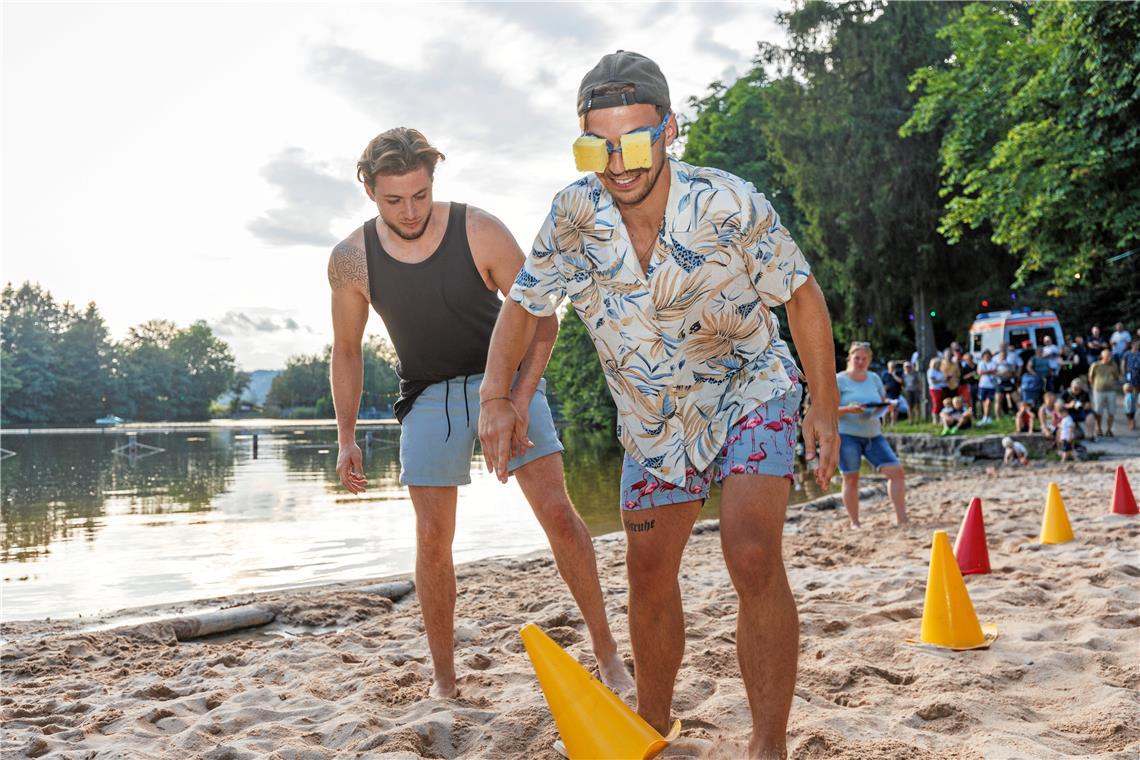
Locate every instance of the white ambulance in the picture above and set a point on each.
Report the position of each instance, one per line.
(1013, 328)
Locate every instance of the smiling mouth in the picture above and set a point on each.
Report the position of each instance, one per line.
(626, 180)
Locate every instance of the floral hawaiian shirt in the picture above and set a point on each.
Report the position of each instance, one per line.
(690, 345)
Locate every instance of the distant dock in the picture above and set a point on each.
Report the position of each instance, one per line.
(251, 424)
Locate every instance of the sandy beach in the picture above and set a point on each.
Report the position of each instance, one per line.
(342, 673)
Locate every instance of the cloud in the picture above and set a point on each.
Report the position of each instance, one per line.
(237, 324)
(551, 20)
(470, 102)
(313, 199)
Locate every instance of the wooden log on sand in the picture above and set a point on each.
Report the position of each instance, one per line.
(209, 623)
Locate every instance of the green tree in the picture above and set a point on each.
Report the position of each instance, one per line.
(1037, 109)
(83, 365)
(729, 132)
(240, 385)
(577, 384)
(205, 369)
(148, 382)
(30, 322)
(303, 382)
(869, 198)
(381, 383)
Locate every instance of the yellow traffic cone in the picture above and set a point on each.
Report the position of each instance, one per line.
(948, 617)
(593, 722)
(1055, 528)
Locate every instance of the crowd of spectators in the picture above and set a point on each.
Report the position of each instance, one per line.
(1065, 392)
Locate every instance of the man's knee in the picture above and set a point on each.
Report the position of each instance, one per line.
(650, 571)
(753, 562)
(558, 518)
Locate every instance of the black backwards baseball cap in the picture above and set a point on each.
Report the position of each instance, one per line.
(623, 67)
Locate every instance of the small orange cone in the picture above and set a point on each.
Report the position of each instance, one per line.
(1123, 502)
(593, 722)
(970, 549)
(1055, 528)
(948, 617)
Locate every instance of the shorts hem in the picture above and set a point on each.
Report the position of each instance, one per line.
(533, 455)
(435, 482)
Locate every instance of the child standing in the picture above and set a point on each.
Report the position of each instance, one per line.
(1066, 434)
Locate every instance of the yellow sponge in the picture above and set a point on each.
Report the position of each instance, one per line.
(636, 151)
(590, 154)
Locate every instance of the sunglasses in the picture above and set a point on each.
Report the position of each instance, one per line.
(592, 153)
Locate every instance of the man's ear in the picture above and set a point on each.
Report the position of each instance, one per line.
(371, 193)
(671, 129)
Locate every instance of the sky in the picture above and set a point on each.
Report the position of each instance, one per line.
(197, 161)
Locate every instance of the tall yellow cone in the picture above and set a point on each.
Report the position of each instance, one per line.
(1055, 528)
(593, 722)
(948, 617)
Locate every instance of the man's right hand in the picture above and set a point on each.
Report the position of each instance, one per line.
(350, 468)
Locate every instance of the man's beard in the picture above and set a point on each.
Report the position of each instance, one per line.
(652, 183)
(413, 236)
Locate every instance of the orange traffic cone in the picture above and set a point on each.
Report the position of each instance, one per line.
(593, 722)
(970, 549)
(948, 617)
(1055, 528)
(1123, 502)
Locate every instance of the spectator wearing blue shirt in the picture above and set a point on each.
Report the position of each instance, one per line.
(861, 400)
(1031, 385)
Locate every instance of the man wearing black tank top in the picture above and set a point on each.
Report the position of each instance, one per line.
(433, 271)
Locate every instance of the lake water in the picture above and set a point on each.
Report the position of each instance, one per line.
(86, 529)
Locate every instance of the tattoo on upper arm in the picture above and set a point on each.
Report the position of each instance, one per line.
(348, 267)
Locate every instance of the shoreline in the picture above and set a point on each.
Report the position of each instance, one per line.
(346, 673)
(17, 629)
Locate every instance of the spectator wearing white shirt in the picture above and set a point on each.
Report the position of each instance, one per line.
(988, 387)
(1119, 341)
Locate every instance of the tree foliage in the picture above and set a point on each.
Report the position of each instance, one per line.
(60, 366)
(1038, 111)
(870, 198)
(303, 387)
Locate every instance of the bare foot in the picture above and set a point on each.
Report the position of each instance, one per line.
(903, 524)
(615, 675)
(855, 526)
(443, 690)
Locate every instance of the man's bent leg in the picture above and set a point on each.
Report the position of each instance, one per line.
(435, 579)
(767, 627)
(656, 539)
(543, 483)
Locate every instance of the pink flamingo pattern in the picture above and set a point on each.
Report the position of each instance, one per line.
(761, 442)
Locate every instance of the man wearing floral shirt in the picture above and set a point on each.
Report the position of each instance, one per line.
(674, 269)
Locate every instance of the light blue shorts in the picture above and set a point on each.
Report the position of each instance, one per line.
(762, 442)
(854, 448)
(437, 438)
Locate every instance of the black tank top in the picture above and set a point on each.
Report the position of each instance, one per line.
(439, 312)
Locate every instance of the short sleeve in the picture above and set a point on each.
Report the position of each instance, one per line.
(540, 285)
(777, 265)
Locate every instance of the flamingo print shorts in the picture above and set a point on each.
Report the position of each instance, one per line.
(762, 442)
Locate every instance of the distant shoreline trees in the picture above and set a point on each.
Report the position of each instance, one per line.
(302, 390)
(59, 365)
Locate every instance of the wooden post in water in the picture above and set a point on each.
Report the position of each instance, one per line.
(255, 445)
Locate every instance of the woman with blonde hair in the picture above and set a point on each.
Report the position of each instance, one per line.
(861, 399)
